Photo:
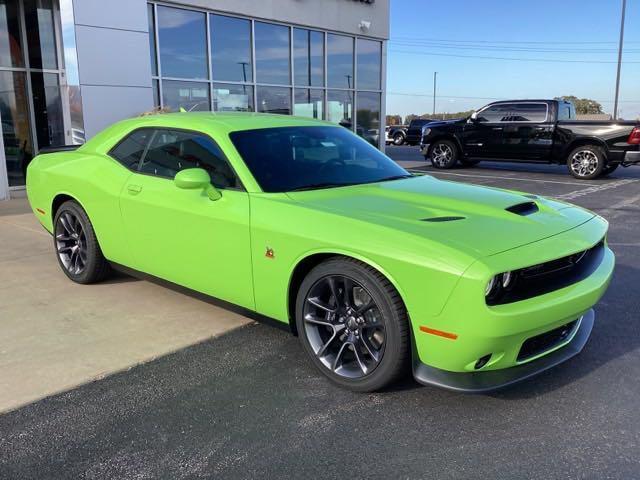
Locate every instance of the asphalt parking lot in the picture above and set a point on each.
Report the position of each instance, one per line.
(249, 404)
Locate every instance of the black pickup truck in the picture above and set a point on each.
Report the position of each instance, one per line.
(541, 131)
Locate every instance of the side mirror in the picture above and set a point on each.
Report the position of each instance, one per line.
(196, 178)
(473, 117)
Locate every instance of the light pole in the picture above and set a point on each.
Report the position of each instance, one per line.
(615, 103)
(435, 77)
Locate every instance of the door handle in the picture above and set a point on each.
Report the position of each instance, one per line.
(134, 189)
(497, 128)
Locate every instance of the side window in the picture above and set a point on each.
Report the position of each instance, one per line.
(129, 151)
(171, 151)
(495, 113)
(528, 112)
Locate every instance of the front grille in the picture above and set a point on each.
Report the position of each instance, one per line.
(546, 341)
(547, 277)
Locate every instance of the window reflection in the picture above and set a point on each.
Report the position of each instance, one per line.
(339, 61)
(183, 43)
(18, 147)
(272, 53)
(156, 93)
(340, 107)
(10, 43)
(152, 39)
(308, 51)
(47, 106)
(228, 97)
(231, 49)
(309, 103)
(192, 96)
(369, 61)
(274, 100)
(369, 117)
(40, 34)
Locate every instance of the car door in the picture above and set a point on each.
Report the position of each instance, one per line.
(483, 136)
(181, 235)
(527, 133)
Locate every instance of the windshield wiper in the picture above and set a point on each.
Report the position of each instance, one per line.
(316, 186)
(395, 177)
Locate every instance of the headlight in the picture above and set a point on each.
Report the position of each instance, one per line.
(497, 283)
(426, 131)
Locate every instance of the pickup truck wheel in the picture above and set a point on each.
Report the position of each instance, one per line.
(610, 168)
(586, 162)
(443, 154)
(398, 139)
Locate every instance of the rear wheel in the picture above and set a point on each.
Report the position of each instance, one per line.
(443, 154)
(76, 245)
(586, 162)
(353, 324)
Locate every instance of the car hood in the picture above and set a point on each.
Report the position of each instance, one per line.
(480, 221)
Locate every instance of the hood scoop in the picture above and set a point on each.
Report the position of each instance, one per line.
(442, 219)
(525, 208)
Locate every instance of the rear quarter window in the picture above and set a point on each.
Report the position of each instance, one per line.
(131, 148)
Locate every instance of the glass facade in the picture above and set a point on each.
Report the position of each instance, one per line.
(204, 60)
(33, 85)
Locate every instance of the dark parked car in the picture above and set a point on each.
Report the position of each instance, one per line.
(414, 131)
(542, 131)
(396, 134)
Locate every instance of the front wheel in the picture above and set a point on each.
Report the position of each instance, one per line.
(398, 139)
(76, 245)
(443, 154)
(353, 325)
(586, 162)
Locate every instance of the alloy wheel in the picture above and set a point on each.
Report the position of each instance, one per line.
(344, 326)
(442, 154)
(584, 163)
(71, 243)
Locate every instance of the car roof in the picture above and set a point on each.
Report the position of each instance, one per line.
(223, 122)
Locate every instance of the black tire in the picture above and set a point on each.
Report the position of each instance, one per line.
(72, 228)
(393, 359)
(586, 162)
(398, 139)
(469, 162)
(610, 168)
(443, 154)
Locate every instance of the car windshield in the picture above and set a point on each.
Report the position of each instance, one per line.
(285, 159)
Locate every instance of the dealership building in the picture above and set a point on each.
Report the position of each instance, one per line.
(69, 68)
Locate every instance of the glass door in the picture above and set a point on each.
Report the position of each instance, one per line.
(31, 108)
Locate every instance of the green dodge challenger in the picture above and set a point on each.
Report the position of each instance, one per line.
(301, 221)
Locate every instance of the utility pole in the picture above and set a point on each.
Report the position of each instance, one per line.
(615, 104)
(435, 76)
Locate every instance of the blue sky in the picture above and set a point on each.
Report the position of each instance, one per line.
(561, 30)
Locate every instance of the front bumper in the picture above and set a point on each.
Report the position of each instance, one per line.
(631, 158)
(486, 381)
(475, 330)
(424, 149)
